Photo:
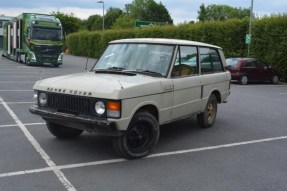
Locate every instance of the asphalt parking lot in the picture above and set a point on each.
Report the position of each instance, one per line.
(244, 150)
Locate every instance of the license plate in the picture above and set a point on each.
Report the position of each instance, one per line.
(46, 63)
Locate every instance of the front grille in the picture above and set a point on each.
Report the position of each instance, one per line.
(70, 103)
(46, 49)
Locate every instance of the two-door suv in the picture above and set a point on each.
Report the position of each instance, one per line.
(136, 86)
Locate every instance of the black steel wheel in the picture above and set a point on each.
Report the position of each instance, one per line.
(140, 138)
(207, 118)
(63, 132)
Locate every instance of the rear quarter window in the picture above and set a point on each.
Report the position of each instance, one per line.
(210, 61)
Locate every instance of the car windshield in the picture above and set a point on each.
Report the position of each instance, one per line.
(46, 34)
(148, 59)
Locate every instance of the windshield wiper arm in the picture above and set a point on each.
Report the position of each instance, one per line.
(115, 68)
(145, 72)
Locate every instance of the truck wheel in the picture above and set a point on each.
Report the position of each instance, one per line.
(17, 58)
(140, 138)
(243, 80)
(207, 118)
(63, 132)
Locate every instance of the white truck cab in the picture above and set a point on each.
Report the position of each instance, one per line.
(136, 86)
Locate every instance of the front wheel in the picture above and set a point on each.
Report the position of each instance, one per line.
(207, 118)
(63, 132)
(140, 138)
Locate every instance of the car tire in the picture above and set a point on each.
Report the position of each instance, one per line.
(17, 58)
(63, 132)
(207, 118)
(26, 61)
(275, 79)
(140, 137)
(243, 80)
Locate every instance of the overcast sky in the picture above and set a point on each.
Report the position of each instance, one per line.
(180, 10)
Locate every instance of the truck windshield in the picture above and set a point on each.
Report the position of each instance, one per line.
(139, 58)
(46, 34)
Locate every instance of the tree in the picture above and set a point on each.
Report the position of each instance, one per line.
(94, 22)
(69, 22)
(111, 16)
(148, 10)
(221, 12)
(201, 13)
(124, 22)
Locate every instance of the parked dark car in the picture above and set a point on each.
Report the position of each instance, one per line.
(245, 70)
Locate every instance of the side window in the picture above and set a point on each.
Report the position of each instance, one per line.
(186, 62)
(261, 64)
(210, 61)
(250, 64)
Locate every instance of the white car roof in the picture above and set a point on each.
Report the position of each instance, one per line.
(163, 41)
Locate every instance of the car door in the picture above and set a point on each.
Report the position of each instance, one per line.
(186, 83)
(250, 69)
(263, 72)
(213, 76)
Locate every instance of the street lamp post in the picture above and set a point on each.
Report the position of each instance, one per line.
(250, 26)
(103, 13)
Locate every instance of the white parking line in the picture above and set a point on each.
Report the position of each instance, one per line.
(18, 76)
(275, 86)
(17, 82)
(28, 102)
(103, 162)
(27, 124)
(39, 149)
(16, 90)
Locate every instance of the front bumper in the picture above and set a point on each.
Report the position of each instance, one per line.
(77, 121)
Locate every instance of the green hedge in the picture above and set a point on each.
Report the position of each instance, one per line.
(269, 38)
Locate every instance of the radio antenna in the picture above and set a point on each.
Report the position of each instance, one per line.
(86, 67)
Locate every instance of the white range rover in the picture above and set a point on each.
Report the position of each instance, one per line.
(136, 86)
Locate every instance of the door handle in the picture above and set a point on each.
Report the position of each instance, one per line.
(167, 88)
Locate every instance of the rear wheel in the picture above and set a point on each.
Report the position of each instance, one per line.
(243, 80)
(63, 132)
(140, 138)
(275, 79)
(207, 118)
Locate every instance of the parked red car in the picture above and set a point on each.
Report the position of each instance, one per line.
(245, 70)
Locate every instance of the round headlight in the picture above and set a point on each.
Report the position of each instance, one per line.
(42, 99)
(100, 107)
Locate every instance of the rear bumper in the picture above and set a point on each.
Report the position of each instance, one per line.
(84, 122)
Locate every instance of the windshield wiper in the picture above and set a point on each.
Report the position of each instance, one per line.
(115, 68)
(148, 72)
